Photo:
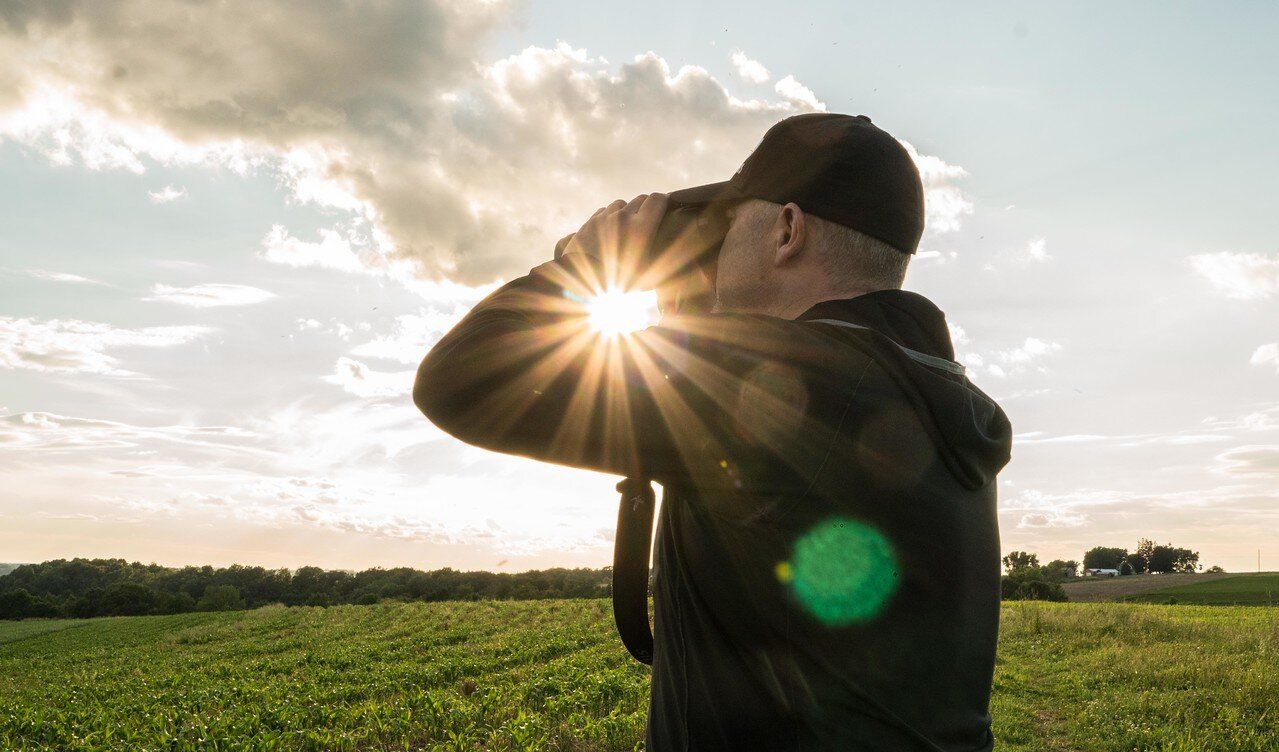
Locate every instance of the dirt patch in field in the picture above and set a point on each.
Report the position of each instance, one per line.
(1114, 588)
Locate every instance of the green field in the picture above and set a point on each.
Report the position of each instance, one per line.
(11, 631)
(1246, 590)
(552, 675)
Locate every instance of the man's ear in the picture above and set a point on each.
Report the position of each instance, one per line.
(792, 232)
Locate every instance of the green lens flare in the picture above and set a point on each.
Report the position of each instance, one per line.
(842, 571)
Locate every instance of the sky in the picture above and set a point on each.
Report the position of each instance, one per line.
(230, 231)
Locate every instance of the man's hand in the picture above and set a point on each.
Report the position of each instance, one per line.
(621, 234)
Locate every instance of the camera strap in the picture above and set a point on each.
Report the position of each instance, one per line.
(631, 551)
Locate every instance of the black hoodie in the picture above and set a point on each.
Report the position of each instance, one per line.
(826, 571)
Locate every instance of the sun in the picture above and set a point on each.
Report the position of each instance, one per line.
(616, 312)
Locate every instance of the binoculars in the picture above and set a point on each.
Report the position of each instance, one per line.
(680, 264)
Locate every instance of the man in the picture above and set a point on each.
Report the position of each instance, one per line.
(827, 562)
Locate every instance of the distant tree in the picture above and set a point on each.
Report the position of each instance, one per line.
(16, 604)
(178, 603)
(1031, 583)
(1215, 568)
(1040, 590)
(1145, 550)
(1104, 558)
(221, 598)
(99, 587)
(1169, 558)
(1060, 569)
(1137, 563)
(128, 599)
(1020, 560)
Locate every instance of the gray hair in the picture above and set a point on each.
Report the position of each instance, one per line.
(858, 258)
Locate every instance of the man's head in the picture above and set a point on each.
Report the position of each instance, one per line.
(827, 206)
(778, 260)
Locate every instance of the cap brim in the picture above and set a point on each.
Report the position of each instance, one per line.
(704, 195)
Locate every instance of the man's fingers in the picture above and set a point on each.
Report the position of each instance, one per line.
(654, 205)
(622, 232)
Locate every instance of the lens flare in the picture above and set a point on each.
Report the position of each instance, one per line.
(842, 571)
(616, 312)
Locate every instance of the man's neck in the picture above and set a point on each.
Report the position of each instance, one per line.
(795, 306)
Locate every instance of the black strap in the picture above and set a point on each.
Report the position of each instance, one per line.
(630, 566)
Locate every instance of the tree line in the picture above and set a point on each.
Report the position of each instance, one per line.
(1148, 557)
(1025, 579)
(82, 588)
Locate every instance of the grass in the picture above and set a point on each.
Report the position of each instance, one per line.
(552, 675)
(12, 631)
(1242, 591)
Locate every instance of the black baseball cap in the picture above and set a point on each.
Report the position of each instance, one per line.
(842, 168)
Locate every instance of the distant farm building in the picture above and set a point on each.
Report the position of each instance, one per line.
(1101, 572)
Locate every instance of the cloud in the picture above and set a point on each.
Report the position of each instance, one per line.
(1036, 251)
(167, 194)
(42, 431)
(62, 277)
(1266, 355)
(794, 91)
(1243, 276)
(450, 166)
(209, 295)
(331, 251)
(945, 205)
(1251, 459)
(1040, 510)
(1028, 356)
(1030, 351)
(356, 378)
(414, 334)
(751, 71)
(72, 346)
(1052, 519)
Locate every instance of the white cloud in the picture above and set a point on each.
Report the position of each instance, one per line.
(1243, 276)
(945, 205)
(1051, 519)
(1029, 352)
(43, 431)
(167, 194)
(71, 346)
(332, 251)
(749, 70)
(1036, 251)
(436, 147)
(1251, 459)
(358, 379)
(209, 295)
(414, 334)
(1266, 355)
(1027, 356)
(62, 277)
(447, 158)
(793, 90)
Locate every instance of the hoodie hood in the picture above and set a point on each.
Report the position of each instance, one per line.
(971, 432)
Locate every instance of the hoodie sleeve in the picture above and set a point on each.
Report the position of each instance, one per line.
(715, 399)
